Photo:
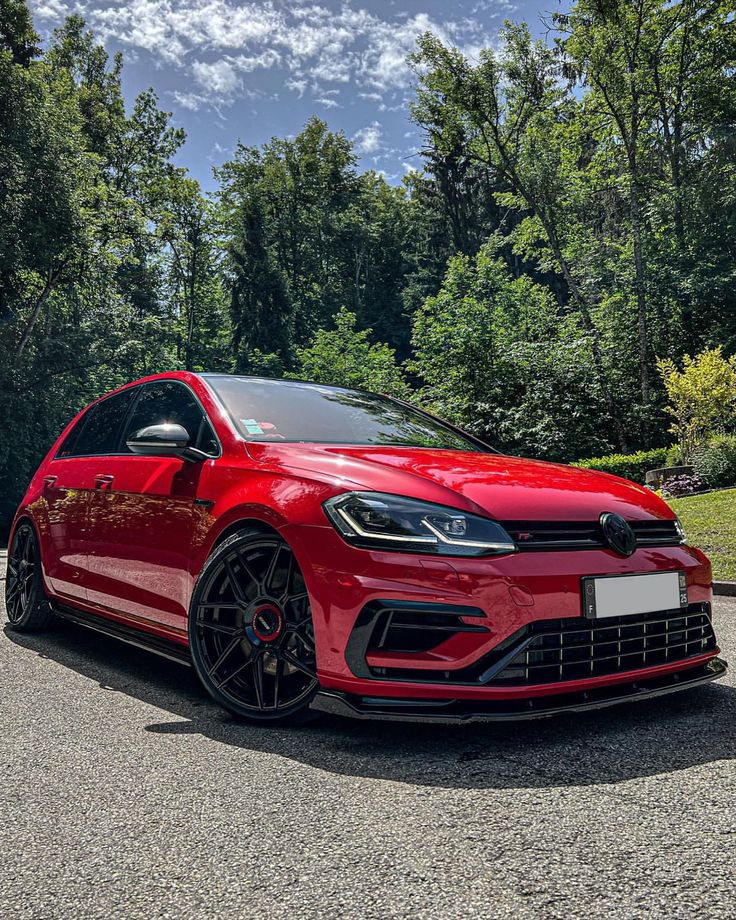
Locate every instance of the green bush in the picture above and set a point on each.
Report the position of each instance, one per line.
(674, 456)
(715, 461)
(628, 466)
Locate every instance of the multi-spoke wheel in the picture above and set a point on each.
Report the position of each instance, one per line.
(250, 629)
(25, 602)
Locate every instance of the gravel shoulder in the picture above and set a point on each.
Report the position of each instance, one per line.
(127, 794)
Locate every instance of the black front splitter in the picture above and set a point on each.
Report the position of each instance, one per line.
(461, 711)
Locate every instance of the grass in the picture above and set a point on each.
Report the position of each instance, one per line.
(710, 523)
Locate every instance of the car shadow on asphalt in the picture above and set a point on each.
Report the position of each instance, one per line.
(608, 746)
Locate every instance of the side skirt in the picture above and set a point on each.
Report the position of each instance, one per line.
(167, 649)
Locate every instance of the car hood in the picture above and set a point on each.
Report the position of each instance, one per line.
(506, 488)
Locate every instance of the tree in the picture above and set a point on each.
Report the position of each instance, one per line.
(702, 396)
(93, 208)
(283, 212)
(17, 35)
(514, 113)
(497, 357)
(346, 356)
(307, 235)
(185, 224)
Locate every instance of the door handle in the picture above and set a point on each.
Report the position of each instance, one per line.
(49, 481)
(103, 481)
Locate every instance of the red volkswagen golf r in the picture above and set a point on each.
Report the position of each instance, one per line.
(308, 547)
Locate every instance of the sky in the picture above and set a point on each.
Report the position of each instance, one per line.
(234, 70)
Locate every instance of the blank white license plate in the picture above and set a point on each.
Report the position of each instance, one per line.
(625, 595)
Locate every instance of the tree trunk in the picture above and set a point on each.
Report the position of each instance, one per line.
(192, 299)
(641, 294)
(51, 279)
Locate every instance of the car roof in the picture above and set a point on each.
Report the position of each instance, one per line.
(286, 381)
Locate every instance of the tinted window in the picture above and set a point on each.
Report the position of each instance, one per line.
(172, 402)
(98, 431)
(282, 410)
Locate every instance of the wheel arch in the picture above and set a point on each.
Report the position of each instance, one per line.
(21, 518)
(24, 516)
(252, 524)
(258, 519)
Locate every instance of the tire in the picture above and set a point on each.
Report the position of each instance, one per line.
(26, 605)
(250, 631)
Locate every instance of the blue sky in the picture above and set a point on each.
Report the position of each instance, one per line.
(234, 70)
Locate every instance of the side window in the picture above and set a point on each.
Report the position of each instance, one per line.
(172, 402)
(98, 431)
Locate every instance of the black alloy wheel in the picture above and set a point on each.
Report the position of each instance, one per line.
(25, 602)
(251, 632)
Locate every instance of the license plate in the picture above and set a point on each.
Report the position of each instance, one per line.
(626, 595)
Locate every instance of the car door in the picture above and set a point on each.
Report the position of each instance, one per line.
(68, 482)
(142, 512)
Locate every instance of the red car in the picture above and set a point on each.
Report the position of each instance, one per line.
(309, 547)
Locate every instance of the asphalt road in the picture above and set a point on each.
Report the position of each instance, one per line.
(125, 793)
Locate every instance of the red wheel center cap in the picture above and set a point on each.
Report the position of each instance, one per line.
(268, 622)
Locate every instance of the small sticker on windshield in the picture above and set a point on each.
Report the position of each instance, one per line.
(252, 426)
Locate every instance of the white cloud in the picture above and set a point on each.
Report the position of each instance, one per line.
(264, 60)
(54, 10)
(190, 101)
(297, 86)
(219, 78)
(308, 43)
(369, 139)
(328, 103)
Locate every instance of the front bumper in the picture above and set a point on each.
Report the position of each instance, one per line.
(504, 596)
(463, 711)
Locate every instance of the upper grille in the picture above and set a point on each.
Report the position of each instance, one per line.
(546, 535)
(573, 650)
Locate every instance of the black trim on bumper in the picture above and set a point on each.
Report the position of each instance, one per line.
(377, 616)
(342, 704)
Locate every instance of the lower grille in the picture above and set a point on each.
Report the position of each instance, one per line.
(556, 651)
(573, 650)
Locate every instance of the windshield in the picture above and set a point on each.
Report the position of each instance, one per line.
(286, 410)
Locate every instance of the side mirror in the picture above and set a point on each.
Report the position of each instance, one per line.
(166, 440)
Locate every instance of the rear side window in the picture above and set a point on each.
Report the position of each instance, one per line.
(172, 402)
(98, 431)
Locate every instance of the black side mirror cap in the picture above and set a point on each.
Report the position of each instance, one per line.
(165, 440)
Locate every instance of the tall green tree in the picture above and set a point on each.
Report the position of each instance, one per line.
(498, 357)
(108, 261)
(348, 356)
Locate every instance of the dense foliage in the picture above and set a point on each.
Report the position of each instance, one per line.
(715, 461)
(629, 466)
(702, 397)
(574, 222)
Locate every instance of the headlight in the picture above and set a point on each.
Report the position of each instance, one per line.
(376, 521)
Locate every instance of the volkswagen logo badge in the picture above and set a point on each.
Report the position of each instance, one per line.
(617, 533)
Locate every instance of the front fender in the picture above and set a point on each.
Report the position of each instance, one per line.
(228, 496)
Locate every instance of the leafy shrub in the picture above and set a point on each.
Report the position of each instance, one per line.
(715, 461)
(628, 466)
(674, 456)
(702, 396)
(678, 486)
(346, 356)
